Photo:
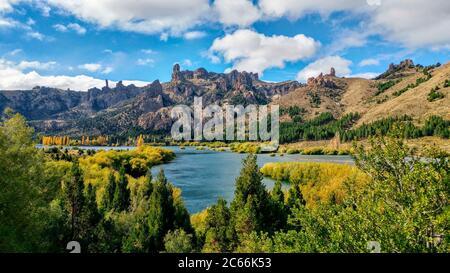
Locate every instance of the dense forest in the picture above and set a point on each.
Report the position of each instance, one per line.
(109, 202)
(325, 126)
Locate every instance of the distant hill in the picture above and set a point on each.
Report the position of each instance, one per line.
(402, 89)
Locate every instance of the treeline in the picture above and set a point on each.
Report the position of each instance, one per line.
(325, 126)
(55, 140)
(433, 126)
(91, 141)
(321, 127)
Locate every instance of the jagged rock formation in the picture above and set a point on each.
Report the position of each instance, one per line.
(397, 70)
(323, 80)
(119, 108)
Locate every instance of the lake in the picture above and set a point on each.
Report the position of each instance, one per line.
(205, 175)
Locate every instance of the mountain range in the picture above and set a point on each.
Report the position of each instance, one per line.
(403, 89)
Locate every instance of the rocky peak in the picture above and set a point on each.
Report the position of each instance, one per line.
(154, 89)
(176, 73)
(332, 72)
(241, 80)
(119, 85)
(323, 80)
(393, 68)
(200, 73)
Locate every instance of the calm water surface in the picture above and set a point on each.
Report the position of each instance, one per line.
(204, 176)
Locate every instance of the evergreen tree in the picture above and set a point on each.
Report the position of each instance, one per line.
(279, 209)
(108, 195)
(295, 197)
(250, 206)
(161, 212)
(219, 232)
(121, 199)
(90, 219)
(75, 200)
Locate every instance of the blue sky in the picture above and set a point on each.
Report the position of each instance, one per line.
(78, 44)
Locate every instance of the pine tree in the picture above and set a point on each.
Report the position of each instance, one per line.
(121, 199)
(279, 209)
(147, 188)
(295, 198)
(219, 232)
(251, 204)
(161, 212)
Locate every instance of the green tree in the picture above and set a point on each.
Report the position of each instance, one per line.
(161, 212)
(250, 207)
(279, 209)
(75, 200)
(121, 201)
(23, 187)
(219, 232)
(178, 241)
(110, 190)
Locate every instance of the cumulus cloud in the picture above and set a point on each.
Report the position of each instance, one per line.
(191, 35)
(414, 23)
(411, 23)
(70, 27)
(173, 16)
(254, 52)
(295, 9)
(36, 35)
(91, 67)
(323, 65)
(236, 12)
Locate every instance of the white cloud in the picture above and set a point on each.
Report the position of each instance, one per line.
(107, 70)
(236, 12)
(254, 52)
(366, 75)
(146, 61)
(15, 52)
(70, 27)
(13, 78)
(150, 17)
(7, 5)
(91, 67)
(187, 63)
(36, 35)
(341, 65)
(413, 23)
(191, 35)
(148, 51)
(368, 62)
(35, 65)
(295, 9)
